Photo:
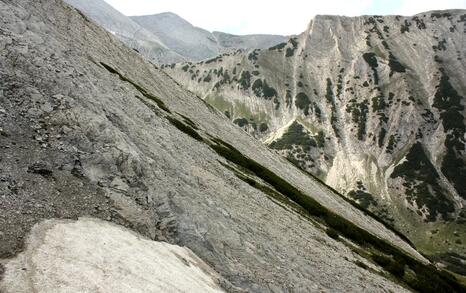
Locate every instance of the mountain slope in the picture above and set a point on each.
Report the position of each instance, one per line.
(372, 105)
(90, 128)
(196, 43)
(127, 30)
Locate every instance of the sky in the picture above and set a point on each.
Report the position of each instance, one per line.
(283, 17)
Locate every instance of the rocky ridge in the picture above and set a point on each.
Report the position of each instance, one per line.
(196, 43)
(371, 105)
(167, 38)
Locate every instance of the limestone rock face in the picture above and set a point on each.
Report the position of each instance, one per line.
(95, 256)
(91, 128)
(374, 106)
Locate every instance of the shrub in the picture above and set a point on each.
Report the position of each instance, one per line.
(332, 233)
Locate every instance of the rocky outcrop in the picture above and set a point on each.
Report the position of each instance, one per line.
(90, 128)
(90, 255)
(372, 105)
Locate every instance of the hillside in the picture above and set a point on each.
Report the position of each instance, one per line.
(371, 105)
(89, 128)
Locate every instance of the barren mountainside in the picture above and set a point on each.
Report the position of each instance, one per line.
(374, 106)
(107, 163)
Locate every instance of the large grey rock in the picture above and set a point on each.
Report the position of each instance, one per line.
(95, 256)
(372, 105)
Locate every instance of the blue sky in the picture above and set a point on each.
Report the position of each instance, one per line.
(274, 16)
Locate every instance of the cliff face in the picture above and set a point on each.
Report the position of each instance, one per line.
(372, 105)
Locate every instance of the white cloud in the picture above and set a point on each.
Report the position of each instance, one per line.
(273, 16)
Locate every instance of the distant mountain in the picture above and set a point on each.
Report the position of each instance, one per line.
(372, 105)
(196, 43)
(168, 38)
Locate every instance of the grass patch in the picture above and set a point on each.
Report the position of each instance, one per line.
(139, 88)
(185, 128)
(295, 135)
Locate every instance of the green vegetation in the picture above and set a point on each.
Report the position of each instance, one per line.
(139, 88)
(294, 46)
(454, 262)
(441, 46)
(187, 129)
(332, 233)
(263, 127)
(245, 80)
(302, 102)
(288, 98)
(422, 183)
(295, 135)
(378, 104)
(188, 121)
(253, 55)
(382, 134)
(363, 198)
(395, 65)
(208, 78)
(392, 142)
(448, 102)
(359, 113)
(317, 111)
(320, 139)
(440, 15)
(371, 60)
(241, 122)
(278, 47)
(395, 267)
(419, 23)
(262, 89)
(405, 27)
(330, 97)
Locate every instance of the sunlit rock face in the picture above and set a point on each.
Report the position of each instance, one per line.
(91, 255)
(372, 105)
